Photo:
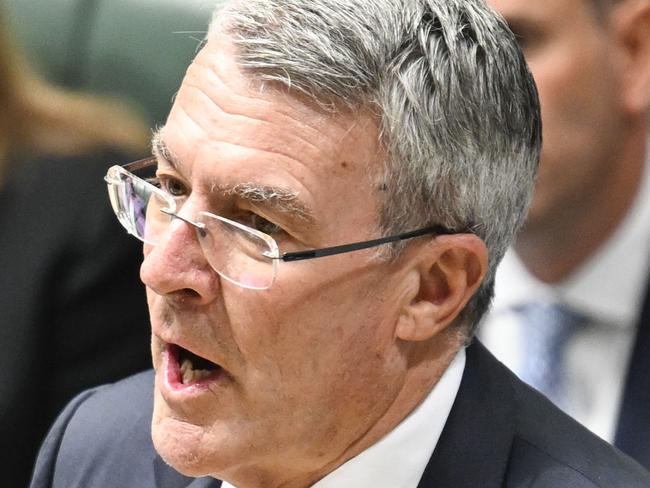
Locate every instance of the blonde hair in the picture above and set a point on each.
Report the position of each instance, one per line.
(37, 117)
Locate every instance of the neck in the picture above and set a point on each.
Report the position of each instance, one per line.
(427, 363)
(554, 249)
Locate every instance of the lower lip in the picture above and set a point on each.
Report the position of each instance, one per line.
(173, 378)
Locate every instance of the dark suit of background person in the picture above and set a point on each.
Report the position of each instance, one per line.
(633, 430)
(500, 433)
(591, 62)
(71, 304)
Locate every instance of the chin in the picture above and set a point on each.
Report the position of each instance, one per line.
(183, 446)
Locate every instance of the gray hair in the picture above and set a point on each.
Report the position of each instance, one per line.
(458, 107)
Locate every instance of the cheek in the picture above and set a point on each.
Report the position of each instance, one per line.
(305, 339)
(325, 383)
(319, 321)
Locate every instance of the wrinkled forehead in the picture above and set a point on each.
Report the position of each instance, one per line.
(233, 129)
(222, 98)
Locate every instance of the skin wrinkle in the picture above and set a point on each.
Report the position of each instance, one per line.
(234, 115)
(280, 199)
(345, 128)
(279, 153)
(306, 234)
(212, 69)
(215, 80)
(211, 73)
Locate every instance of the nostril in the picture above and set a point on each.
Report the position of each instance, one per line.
(184, 295)
(189, 293)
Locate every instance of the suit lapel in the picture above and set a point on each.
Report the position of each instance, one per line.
(633, 432)
(474, 447)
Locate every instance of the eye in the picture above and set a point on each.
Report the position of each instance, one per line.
(173, 186)
(263, 225)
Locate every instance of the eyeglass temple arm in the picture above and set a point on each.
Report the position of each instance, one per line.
(355, 246)
(140, 163)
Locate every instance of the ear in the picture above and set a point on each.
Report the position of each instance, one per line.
(449, 269)
(630, 22)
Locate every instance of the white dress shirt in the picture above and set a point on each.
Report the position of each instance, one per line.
(609, 290)
(399, 459)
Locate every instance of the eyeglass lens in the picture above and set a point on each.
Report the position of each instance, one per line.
(236, 252)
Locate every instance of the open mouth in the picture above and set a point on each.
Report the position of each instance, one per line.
(192, 369)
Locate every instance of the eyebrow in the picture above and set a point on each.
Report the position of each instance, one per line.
(281, 199)
(159, 148)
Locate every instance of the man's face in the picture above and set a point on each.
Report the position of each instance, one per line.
(308, 365)
(571, 55)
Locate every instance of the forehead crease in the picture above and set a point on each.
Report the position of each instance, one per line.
(232, 153)
(246, 93)
(217, 139)
(284, 111)
(256, 133)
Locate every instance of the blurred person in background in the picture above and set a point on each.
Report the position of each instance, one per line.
(572, 312)
(72, 310)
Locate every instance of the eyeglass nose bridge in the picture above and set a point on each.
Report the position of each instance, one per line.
(199, 226)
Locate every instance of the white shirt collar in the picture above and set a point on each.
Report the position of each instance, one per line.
(610, 285)
(399, 459)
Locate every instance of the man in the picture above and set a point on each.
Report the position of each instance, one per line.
(584, 246)
(291, 346)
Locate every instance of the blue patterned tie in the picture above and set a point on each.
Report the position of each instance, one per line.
(548, 329)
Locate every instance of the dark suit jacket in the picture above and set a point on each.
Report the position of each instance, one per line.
(500, 433)
(72, 309)
(633, 431)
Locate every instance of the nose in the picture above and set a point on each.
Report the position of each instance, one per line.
(199, 227)
(176, 266)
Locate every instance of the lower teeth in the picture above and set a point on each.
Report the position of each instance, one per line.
(190, 375)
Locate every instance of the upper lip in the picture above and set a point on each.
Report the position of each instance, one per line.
(167, 340)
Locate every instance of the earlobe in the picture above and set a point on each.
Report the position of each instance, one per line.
(450, 270)
(631, 22)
